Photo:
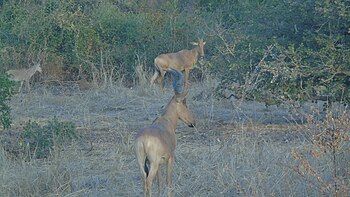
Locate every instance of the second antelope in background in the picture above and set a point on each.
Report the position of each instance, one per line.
(182, 60)
(155, 144)
(24, 75)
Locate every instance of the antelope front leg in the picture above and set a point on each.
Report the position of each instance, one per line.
(169, 174)
(20, 87)
(187, 76)
(28, 85)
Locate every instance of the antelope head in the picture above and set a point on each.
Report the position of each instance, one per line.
(181, 90)
(200, 48)
(38, 67)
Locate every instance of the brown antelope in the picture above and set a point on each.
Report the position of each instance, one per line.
(155, 144)
(182, 60)
(24, 75)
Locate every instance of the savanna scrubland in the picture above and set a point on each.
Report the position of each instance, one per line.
(271, 99)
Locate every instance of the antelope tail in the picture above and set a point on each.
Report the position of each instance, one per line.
(141, 157)
(146, 167)
(156, 65)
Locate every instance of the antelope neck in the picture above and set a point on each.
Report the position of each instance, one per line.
(195, 52)
(170, 115)
(32, 70)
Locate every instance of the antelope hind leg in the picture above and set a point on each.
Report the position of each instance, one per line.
(154, 169)
(159, 174)
(154, 77)
(169, 174)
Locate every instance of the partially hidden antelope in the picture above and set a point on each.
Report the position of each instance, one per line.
(155, 144)
(24, 75)
(183, 60)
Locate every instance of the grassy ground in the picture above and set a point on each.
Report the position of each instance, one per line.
(237, 149)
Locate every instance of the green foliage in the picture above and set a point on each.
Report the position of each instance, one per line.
(6, 92)
(106, 34)
(120, 36)
(38, 141)
(259, 49)
(297, 51)
(303, 73)
(318, 67)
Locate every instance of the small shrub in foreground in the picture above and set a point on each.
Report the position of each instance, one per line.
(38, 141)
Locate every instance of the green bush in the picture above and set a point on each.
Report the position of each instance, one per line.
(6, 92)
(297, 51)
(39, 141)
(105, 34)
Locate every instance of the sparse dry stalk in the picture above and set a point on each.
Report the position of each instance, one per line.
(140, 72)
(330, 140)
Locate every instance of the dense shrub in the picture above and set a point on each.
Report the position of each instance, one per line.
(6, 92)
(283, 50)
(262, 50)
(109, 35)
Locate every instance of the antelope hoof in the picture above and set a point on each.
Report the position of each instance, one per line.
(192, 125)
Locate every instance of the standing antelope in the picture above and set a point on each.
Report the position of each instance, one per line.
(155, 144)
(182, 60)
(22, 75)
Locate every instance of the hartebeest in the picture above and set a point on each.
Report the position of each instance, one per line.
(182, 60)
(155, 144)
(24, 75)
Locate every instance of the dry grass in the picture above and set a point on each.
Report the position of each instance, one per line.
(237, 149)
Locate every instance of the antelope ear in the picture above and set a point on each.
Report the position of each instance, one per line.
(194, 43)
(204, 43)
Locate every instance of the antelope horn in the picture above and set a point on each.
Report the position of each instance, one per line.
(178, 81)
(178, 84)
